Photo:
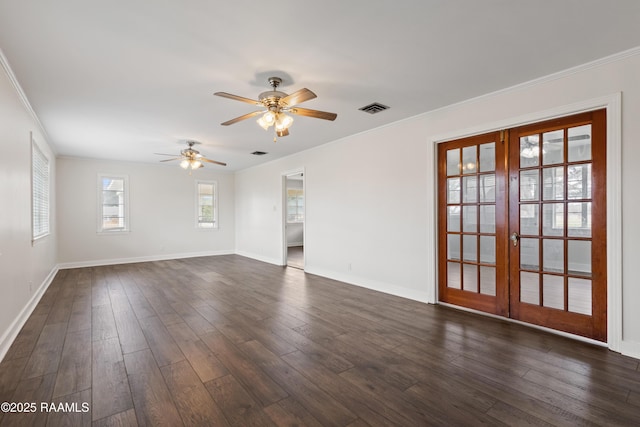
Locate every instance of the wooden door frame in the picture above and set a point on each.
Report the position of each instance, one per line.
(613, 106)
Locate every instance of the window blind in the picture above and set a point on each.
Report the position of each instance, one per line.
(39, 192)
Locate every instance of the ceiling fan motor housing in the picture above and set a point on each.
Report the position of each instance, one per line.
(271, 99)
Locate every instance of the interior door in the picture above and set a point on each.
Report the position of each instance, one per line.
(557, 220)
(472, 227)
(522, 223)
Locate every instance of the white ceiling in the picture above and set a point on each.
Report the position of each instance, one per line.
(124, 79)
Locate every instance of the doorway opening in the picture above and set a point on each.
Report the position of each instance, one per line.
(294, 202)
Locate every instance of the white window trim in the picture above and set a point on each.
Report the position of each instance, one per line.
(216, 220)
(103, 231)
(36, 149)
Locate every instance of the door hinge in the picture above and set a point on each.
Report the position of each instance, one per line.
(502, 135)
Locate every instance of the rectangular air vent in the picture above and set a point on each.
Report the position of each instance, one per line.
(259, 153)
(374, 108)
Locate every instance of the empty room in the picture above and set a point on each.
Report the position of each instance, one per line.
(362, 213)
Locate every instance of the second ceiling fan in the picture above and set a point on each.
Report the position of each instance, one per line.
(275, 104)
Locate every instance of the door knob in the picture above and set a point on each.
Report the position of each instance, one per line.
(514, 238)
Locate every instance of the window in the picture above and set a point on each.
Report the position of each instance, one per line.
(295, 205)
(39, 192)
(207, 205)
(113, 209)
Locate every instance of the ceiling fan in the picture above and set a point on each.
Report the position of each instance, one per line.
(275, 104)
(190, 158)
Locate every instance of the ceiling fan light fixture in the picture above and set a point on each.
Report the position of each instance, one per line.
(283, 122)
(184, 164)
(283, 132)
(263, 123)
(195, 164)
(268, 119)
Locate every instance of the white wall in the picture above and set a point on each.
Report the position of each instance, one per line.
(370, 197)
(25, 268)
(162, 213)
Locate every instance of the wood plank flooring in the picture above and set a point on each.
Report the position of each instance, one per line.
(229, 341)
(295, 257)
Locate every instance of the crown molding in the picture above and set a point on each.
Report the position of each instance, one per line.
(616, 57)
(23, 97)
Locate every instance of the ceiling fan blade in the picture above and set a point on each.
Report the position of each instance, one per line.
(238, 98)
(238, 119)
(163, 154)
(298, 97)
(313, 113)
(169, 160)
(203, 159)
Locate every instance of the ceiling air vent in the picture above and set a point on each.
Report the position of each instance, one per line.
(259, 153)
(374, 108)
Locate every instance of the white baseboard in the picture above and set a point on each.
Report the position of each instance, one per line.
(259, 257)
(374, 285)
(13, 330)
(164, 257)
(630, 348)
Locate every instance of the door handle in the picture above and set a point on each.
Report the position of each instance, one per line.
(514, 238)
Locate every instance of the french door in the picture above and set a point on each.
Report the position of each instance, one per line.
(522, 223)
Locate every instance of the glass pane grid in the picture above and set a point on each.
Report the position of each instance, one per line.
(555, 211)
(471, 225)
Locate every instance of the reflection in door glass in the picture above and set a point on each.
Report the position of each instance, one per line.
(453, 247)
(553, 219)
(530, 288)
(579, 143)
(529, 185)
(453, 275)
(453, 218)
(529, 221)
(579, 257)
(488, 157)
(553, 147)
(488, 249)
(580, 296)
(529, 151)
(553, 255)
(579, 181)
(470, 219)
(487, 218)
(469, 160)
(470, 247)
(579, 219)
(529, 254)
(488, 280)
(453, 162)
(470, 189)
(553, 291)
(453, 190)
(553, 183)
(487, 188)
(470, 277)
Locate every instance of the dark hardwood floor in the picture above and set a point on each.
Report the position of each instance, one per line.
(228, 341)
(295, 257)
